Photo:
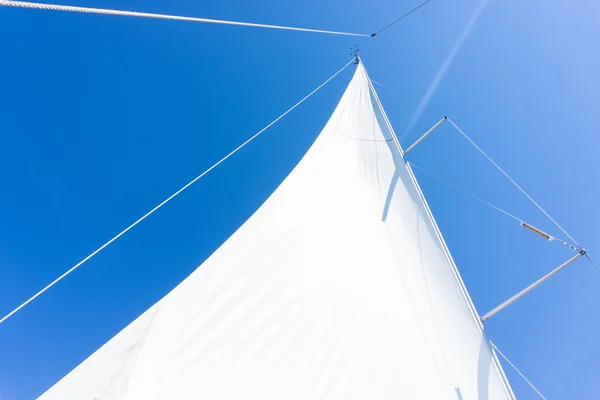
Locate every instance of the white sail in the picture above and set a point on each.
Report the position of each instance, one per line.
(338, 287)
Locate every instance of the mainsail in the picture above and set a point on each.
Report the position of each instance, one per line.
(338, 287)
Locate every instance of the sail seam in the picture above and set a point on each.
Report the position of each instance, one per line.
(419, 323)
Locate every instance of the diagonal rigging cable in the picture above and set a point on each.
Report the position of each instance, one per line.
(514, 183)
(521, 221)
(383, 86)
(89, 10)
(123, 13)
(592, 261)
(466, 192)
(537, 231)
(401, 18)
(170, 197)
(523, 191)
(516, 369)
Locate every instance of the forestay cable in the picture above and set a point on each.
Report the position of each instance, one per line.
(516, 369)
(514, 183)
(171, 197)
(89, 10)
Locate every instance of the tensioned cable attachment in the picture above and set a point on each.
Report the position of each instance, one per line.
(545, 235)
(537, 231)
(170, 197)
(89, 10)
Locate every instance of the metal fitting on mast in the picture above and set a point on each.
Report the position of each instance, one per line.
(354, 52)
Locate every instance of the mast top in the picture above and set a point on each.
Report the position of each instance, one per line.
(354, 52)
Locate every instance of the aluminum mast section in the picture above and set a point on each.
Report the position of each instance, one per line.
(419, 140)
(530, 287)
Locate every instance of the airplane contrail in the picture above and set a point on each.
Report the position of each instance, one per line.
(435, 83)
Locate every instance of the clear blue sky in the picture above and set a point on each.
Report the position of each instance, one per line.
(101, 118)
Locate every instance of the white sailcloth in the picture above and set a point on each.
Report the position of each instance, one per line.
(338, 287)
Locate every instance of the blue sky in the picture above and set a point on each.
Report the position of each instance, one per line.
(101, 118)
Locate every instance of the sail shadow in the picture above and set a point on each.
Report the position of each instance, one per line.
(400, 164)
(483, 369)
(391, 189)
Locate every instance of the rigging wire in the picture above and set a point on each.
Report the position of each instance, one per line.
(466, 192)
(402, 17)
(524, 192)
(579, 246)
(170, 197)
(89, 10)
(514, 183)
(383, 86)
(592, 262)
(521, 221)
(123, 13)
(516, 369)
